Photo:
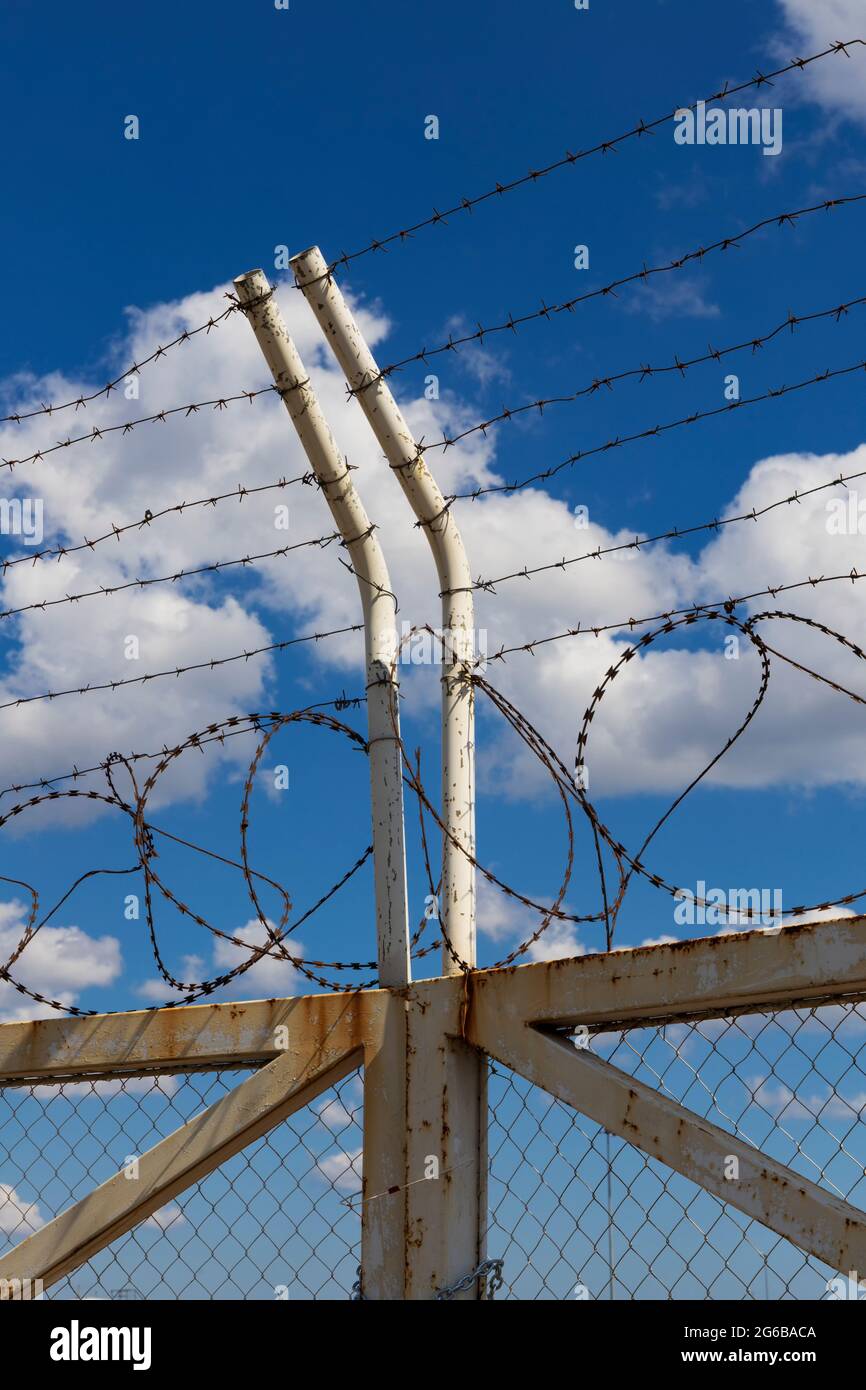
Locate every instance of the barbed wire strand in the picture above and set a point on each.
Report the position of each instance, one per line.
(126, 427)
(774, 393)
(513, 322)
(673, 533)
(215, 733)
(644, 372)
(210, 665)
(696, 608)
(680, 365)
(215, 567)
(440, 218)
(603, 147)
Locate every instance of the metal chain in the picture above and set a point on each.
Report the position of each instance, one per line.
(489, 1270)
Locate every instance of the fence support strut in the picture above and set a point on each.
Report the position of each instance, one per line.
(379, 605)
(437, 1227)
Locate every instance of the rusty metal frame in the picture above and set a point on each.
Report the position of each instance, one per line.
(412, 1043)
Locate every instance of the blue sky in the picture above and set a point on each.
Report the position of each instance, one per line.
(261, 128)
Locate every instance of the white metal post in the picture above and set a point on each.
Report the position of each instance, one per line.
(432, 1234)
(379, 606)
(440, 528)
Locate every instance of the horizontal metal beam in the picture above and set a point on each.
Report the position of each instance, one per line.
(255, 1106)
(792, 1206)
(717, 974)
(312, 1024)
(714, 975)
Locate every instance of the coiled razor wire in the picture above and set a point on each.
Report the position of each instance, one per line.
(568, 784)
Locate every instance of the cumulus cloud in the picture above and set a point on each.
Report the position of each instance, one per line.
(59, 962)
(88, 488)
(269, 977)
(169, 1215)
(334, 1115)
(18, 1217)
(673, 708)
(343, 1169)
(838, 83)
(503, 919)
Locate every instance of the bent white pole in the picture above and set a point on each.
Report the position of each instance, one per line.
(458, 710)
(379, 605)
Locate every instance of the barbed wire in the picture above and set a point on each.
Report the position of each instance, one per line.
(693, 609)
(210, 665)
(571, 785)
(674, 533)
(568, 787)
(646, 371)
(238, 494)
(216, 566)
(81, 402)
(486, 585)
(603, 147)
(643, 372)
(126, 427)
(215, 733)
(144, 840)
(265, 725)
(654, 431)
(635, 862)
(438, 218)
(512, 323)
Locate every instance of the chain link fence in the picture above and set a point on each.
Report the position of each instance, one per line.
(274, 1221)
(576, 1213)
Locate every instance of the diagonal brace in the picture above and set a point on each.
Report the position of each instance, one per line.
(799, 1210)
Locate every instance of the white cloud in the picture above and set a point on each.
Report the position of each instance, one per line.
(821, 914)
(671, 296)
(59, 962)
(88, 488)
(334, 1115)
(144, 1086)
(269, 977)
(18, 1217)
(497, 916)
(343, 1170)
(159, 991)
(169, 1215)
(837, 82)
(673, 708)
(558, 941)
(504, 919)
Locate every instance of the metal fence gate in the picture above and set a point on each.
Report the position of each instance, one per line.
(678, 1121)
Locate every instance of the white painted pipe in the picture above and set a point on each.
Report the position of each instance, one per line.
(458, 710)
(379, 606)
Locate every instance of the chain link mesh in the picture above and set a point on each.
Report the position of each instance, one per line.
(271, 1222)
(574, 1212)
(578, 1213)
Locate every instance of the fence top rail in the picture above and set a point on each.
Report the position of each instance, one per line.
(212, 1035)
(706, 977)
(711, 976)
